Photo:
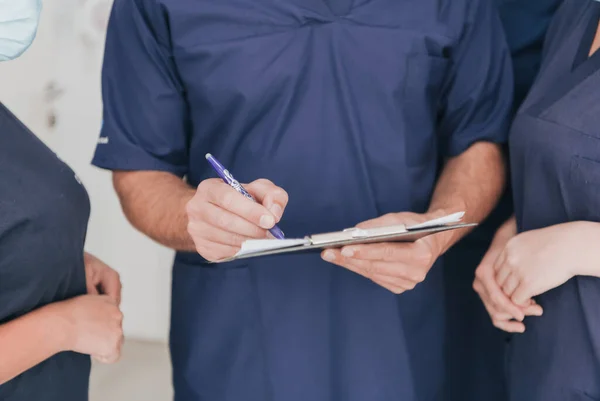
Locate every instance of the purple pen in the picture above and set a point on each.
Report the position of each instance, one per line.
(228, 178)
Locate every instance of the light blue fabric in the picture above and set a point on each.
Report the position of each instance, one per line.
(18, 25)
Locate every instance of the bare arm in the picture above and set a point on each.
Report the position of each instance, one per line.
(155, 203)
(88, 324)
(472, 181)
(29, 340)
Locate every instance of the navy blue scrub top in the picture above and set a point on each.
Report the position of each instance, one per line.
(349, 106)
(555, 158)
(525, 24)
(44, 212)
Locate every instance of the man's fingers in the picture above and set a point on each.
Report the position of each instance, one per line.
(383, 251)
(215, 252)
(227, 221)
(382, 221)
(366, 269)
(390, 287)
(362, 267)
(200, 229)
(274, 198)
(394, 282)
(392, 219)
(393, 276)
(334, 256)
(229, 199)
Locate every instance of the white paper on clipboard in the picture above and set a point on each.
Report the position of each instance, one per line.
(258, 247)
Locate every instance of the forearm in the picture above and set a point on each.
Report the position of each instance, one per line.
(29, 340)
(154, 203)
(586, 252)
(472, 182)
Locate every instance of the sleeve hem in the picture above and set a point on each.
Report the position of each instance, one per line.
(456, 149)
(125, 164)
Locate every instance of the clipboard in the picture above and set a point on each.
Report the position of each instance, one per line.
(351, 236)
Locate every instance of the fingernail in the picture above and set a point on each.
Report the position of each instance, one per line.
(348, 252)
(267, 222)
(538, 312)
(328, 256)
(276, 210)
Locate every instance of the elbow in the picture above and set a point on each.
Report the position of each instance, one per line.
(124, 187)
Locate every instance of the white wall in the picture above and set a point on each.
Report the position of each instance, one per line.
(58, 79)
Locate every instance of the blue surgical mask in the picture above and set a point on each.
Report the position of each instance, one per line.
(18, 26)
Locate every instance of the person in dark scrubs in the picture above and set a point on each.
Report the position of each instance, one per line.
(549, 251)
(58, 304)
(360, 112)
(475, 349)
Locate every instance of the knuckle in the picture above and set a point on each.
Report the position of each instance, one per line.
(374, 270)
(424, 256)
(237, 239)
(264, 181)
(389, 252)
(281, 193)
(191, 207)
(227, 199)
(211, 257)
(417, 277)
(497, 316)
(496, 300)
(223, 221)
(497, 324)
(190, 228)
(258, 233)
(512, 259)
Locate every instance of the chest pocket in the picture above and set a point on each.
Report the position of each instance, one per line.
(425, 76)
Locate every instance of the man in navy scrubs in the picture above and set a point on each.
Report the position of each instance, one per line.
(337, 112)
(475, 349)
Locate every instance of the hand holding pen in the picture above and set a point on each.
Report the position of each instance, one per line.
(223, 213)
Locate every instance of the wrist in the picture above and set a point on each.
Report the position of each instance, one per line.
(443, 241)
(587, 262)
(57, 323)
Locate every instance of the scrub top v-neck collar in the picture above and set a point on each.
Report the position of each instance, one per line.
(583, 54)
(583, 65)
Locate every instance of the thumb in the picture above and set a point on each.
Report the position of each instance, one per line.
(91, 288)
